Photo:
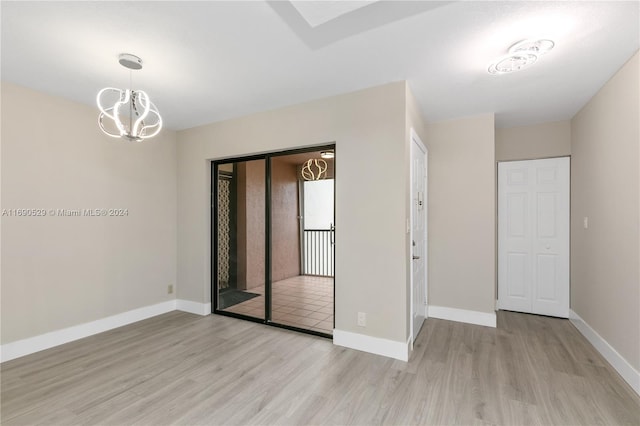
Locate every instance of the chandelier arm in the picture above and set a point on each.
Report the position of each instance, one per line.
(102, 109)
(146, 135)
(131, 103)
(144, 102)
(104, 130)
(116, 112)
(157, 125)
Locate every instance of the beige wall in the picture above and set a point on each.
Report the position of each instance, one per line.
(64, 271)
(531, 142)
(285, 227)
(368, 128)
(462, 214)
(605, 272)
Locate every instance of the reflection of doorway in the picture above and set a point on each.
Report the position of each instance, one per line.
(267, 265)
(317, 227)
(239, 196)
(418, 235)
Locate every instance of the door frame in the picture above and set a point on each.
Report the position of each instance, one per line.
(415, 139)
(214, 164)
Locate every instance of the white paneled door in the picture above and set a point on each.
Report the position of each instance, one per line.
(418, 235)
(533, 236)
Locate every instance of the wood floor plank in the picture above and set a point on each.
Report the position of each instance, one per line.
(184, 369)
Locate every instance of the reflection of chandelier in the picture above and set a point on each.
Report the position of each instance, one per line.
(314, 169)
(131, 113)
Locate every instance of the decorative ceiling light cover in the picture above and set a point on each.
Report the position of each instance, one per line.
(538, 47)
(521, 55)
(327, 154)
(128, 113)
(314, 169)
(512, 63)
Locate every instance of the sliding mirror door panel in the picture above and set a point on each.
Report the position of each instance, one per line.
(240, 280)
(302, 241)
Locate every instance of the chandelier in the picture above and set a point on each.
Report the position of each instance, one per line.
(128, 113)
(314, 169)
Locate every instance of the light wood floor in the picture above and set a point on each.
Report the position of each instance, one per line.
(304, 301)
(180, 368)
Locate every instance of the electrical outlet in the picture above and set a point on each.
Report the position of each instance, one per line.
(170, 289)
(362, 319)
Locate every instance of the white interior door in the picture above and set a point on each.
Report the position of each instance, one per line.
(418, 235)
(533, 236)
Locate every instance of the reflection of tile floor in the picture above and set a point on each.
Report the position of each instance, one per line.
(303, 301)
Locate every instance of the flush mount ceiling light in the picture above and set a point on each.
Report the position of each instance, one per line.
(521, 55)
(131, 114)
(314, 169)
(537, 47)
(327, 154)
(513, 62)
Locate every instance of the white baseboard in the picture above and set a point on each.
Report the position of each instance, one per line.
(20, 348)
(621, 365)
(374, 345)
(193, 307)
(462, 315)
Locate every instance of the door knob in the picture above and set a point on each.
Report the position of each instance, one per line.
(416, 257)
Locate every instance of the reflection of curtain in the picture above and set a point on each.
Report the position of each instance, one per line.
(224, 231)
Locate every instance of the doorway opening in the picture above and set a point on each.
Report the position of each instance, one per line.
(273, 237)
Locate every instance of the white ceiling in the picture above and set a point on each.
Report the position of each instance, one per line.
(320, 12)
(209, 61)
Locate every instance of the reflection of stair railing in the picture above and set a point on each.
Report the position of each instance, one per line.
(318, 252)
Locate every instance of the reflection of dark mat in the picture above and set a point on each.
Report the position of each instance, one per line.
(232, 296)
